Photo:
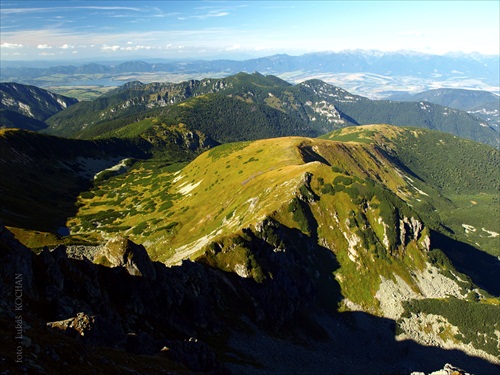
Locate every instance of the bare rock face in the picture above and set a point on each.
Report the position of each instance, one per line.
(97, 319)
(81, 323)
(121, 252)
(447, 370)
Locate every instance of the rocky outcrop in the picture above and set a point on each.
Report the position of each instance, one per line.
(131, 305)
(447, 370)
(127, 302)
(121, 252)
(108, 319)
(82, 323)
(32, 101)
(409, 229)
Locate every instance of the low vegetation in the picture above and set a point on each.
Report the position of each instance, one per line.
(477, 322)
(454, 197)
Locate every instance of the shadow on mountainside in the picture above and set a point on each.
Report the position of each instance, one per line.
(358, 343)
(42, 176)
(196, 318)
(483, 269)
(374, 337)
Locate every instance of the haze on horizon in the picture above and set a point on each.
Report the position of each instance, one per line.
(109, 30)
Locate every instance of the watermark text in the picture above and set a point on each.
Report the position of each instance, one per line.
(18, 316)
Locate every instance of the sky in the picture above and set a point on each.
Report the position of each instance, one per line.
(68, 30)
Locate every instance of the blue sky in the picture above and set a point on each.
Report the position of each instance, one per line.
(72, 30)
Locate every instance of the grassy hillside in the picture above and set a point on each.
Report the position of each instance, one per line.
(213, 115)
(12, 119)
(460, 179)
(253, 106)
(454, 98)
(482, 104)
(342, 197)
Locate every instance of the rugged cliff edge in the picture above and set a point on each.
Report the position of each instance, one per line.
(56, 310)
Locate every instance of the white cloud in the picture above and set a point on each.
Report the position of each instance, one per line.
(137, 48)
(106, 8)
(106, 48)
(22, 10)
(11, 45)
(163, 15)
(55, 9)
(43, 46)
(67, 46)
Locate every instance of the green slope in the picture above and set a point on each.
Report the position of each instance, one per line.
(253, 106)
(459, 177)
(240, 191)
(213, 115)
(12, 119)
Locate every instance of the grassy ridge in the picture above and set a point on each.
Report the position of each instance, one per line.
(460, 179)
(338, 216)
(236, 187)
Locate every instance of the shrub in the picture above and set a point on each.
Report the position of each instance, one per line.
(339, 188)
(139, 228)
(342, 180)
(165, 206)
(328, 189)
(87, 195)
(352, 192)
(169, 226)
(476, 321)
(299, 216)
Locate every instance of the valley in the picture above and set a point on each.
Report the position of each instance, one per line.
(236, 224)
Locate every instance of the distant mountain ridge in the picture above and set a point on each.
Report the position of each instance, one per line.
(264, 106)
(400, 63)
(32, 101)
(27, 107)
(482, 104)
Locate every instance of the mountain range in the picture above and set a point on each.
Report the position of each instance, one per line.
(247, 225)
(402, 63)
(373, 74)
(315, 240)
(482, 104)
(310, 108)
